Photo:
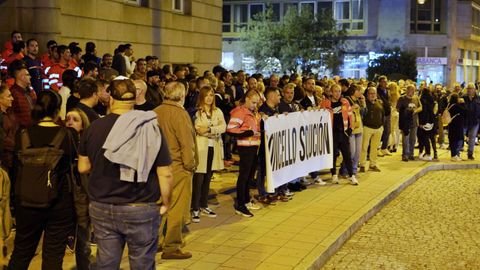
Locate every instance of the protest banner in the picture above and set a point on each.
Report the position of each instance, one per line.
(297, 144)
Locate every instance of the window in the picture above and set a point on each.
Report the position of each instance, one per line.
(140, 3)
(254, 10)
(349, 14)
(324, 6)
(426, 17)
(288, 6)
(475, 20)
(177, 5)
(240, 17)
(276, 11)
(304, 6)
(227, 17)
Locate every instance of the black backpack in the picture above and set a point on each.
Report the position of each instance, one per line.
(38, 178)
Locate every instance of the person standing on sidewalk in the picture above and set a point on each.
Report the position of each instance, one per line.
(357, 102)
(177, 127)
(244, 124)
(456, 135)
(372, 129)
(472, 117)
(123, 200)
(210, 125)
(382, 94)
(342, 123)
(427, 125)
(408, 107)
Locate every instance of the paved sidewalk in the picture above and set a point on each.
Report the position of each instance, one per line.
(300, 234)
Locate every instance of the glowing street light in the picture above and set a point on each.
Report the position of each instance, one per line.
(421, 2)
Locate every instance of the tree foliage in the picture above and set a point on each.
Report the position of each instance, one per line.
(394, 63)
(299, 39)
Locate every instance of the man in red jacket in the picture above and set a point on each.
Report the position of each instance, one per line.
(8, 46)
(23, 95)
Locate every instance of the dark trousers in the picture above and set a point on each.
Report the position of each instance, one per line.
(55, 222)
(82, 248)
(227, 146)
(201, 184)
(425, 140)
(248, 161)
(387, 120)
(341, 143)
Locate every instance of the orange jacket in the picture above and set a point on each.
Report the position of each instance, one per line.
(8, 49)
(53, 77)
(347, 113)
(242, 119)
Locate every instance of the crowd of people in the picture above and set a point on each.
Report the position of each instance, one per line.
(136, 144)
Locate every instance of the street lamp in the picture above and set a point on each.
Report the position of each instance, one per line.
(421, 2)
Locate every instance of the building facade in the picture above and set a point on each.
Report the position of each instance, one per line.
(445, 34)
(177, 31)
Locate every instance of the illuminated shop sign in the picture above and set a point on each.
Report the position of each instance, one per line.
(431, 60)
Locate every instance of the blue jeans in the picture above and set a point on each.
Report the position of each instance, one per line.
(133, 224)
(471, 133)
(355, 149)
(408, 143)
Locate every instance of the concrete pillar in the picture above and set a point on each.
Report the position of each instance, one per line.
(452, 44)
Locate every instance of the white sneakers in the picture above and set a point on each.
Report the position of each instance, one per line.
(426, 158)
(386, 152)
(353, 180)
(335, 179)
(319, 181)
(456, 158)
(252, 206)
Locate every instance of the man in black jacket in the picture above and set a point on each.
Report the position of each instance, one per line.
(382, 94)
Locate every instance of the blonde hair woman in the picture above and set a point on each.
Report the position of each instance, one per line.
(394, 138)
(209, 126)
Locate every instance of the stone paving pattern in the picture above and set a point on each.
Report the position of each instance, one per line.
(300, 234)
(433, 224)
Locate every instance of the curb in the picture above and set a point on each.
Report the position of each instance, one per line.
(338, 243)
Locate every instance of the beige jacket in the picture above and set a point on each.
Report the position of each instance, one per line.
(5, 217)
(177, 129)
(217, 126)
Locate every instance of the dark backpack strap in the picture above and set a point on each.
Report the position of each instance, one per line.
(25, 140)
(57, 141)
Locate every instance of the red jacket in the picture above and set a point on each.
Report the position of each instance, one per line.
(23, 101)
(242, 119)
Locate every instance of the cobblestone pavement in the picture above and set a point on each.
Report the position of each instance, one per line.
(433, 224)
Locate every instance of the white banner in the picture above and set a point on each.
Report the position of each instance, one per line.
(297, 144)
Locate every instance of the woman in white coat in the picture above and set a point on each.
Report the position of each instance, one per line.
(209, 126)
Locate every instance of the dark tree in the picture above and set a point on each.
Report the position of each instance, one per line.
(395, 63)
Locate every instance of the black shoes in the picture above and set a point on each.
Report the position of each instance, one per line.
(243, 211)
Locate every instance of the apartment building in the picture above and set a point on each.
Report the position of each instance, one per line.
(445, 34)
(177, 31)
